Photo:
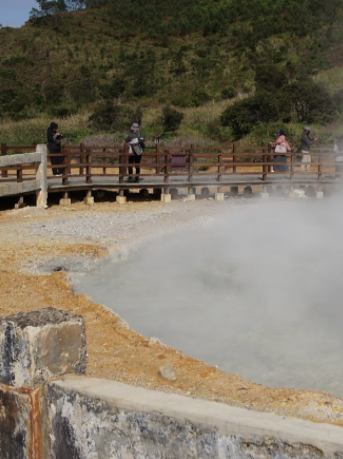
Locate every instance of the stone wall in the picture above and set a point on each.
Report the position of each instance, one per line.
(100, 419)
(45, 415)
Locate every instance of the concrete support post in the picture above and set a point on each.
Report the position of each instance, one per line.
(121, 199)
(89, 199)
(42, 177)
(191, 194)
(219, 196)
(20, 204)
(291, 193)
(166, 198)
(65, 201)
(264, 194)
(319, 194)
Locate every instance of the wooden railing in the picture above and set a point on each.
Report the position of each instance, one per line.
(36, 163)
(166, 162)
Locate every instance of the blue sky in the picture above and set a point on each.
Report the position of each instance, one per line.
(14, 13)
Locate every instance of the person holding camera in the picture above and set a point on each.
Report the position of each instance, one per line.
(54, 145)
(136, 147)
(305, 148)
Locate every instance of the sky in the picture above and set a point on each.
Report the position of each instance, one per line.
(14, 13)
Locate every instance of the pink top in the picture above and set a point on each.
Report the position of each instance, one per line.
(282, 139)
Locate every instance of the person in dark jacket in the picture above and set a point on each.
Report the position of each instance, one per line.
(54, 145)
(338, 150)
(136, 147)
(306, 142)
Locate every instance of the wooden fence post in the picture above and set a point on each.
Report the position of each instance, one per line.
(157, 151)
(320, 171)
(166, 169)
(270, 157)
(4, 153)
(234, 150)
(104, 169)
(292, 156)
(265, 167)
(82, 158)
(220, 156)
(191, 164)
(66, 161)
(89, 166)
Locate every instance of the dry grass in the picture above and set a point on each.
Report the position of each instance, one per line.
(32, 131)
(332, 79)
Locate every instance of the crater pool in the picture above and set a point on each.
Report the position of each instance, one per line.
(256, 290)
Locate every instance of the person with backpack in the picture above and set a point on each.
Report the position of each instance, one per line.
(136, 145)
(281, 148)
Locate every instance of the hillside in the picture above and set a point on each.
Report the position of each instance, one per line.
(184, 53)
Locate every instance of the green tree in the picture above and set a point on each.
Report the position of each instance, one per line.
(308, 101)
(115, 117)
(171, 119)
(244, 114)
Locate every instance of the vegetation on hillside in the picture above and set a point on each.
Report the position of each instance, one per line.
(119, 60)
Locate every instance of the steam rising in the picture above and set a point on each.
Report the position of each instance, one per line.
(257, 291)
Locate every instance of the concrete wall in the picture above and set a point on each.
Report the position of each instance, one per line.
(98, 419)
(45, 417)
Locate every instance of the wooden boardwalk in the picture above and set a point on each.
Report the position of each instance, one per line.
(165, 168)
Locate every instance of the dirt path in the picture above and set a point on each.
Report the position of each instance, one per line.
(72, 238)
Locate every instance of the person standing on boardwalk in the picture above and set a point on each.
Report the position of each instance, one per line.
(306, 142)
(136, 147)
(54, 145)
(281, 148)
(338, 150)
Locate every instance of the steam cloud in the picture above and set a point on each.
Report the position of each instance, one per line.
(257, 291)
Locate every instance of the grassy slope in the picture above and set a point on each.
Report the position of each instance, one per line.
(89, 47)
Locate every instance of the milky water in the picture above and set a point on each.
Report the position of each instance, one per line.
(256, 290)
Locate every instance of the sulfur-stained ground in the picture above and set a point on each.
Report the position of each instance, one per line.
(114, 351)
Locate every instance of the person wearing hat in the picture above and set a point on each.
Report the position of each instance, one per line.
(136, 147)
(306, 142)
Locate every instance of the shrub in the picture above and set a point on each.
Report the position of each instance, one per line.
(244, 114)
(269, 77)
(228, 93)
(308, 101)
(113, 89)
(171, 119)
(115, 117)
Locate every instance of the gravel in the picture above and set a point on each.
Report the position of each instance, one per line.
(112, 229)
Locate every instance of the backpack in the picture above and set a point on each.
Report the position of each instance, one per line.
(136, 147)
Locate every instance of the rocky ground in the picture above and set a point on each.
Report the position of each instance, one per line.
(40, 247)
